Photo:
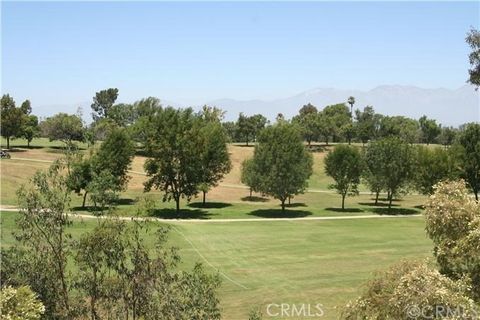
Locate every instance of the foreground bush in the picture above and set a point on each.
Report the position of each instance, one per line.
(20, 304)
(412, 290)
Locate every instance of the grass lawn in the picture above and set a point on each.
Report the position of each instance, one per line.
(313, 262)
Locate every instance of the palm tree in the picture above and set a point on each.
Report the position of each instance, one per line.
(351, 102)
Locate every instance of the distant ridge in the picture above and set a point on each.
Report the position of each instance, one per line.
(448, 106)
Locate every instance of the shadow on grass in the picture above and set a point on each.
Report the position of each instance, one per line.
(183, 214)
(278, 213)
(209, 205)
(420, 207)
(295, 205)
(344, 210)
(125, 201)
(317, 148)
(394, 211)
(92, 209)
(254, 199)
(379, 204)
(15, 149)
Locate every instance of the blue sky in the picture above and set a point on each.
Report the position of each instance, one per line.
(62, 52)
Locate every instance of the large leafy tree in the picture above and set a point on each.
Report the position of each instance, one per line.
(174, 144)
(213, 155)
(30, 128)
(473, 40)
(281, 162)
(333, 118)
(248, 176)
(307, 120)
(393, 166)
(401, 127)
(469, 154)
(103, 102)
(248, 127)
(367, 124)
(12, 119)
(63, 127)
(433, 165)
(429, 129)
(344, 164)
(105, 172)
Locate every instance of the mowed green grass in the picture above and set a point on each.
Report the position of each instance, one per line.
(323, 261)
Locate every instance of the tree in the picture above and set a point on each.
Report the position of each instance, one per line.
(12, 119)
(20, 303)
(249, 127)
(115, 156)
(333, 119)
(344, 165)
(213, 156)
(431, 167)
(307, 120)
(430, 129)
(367, 124)
(30, 129)
(103, 102)
(26, 107)
(42, 223)
(469, 154)
(248, 176)
(63, 127)
(174, 145)
(447, 136)
(453, 223)
(393, 167)
(473, 40)
(351, 102)
(105, 172)
(402, 127)
(411, 290)
(281, 162)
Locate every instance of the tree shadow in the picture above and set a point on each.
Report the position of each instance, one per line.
(295, 205)
(344, 210)
(250, 145)
(209, 205)
(386, 200)
(125, 201)
(15, 150)
(92, 209)
(316, 148)
(168, 213)
(395, 211)
(254, 199)
(420, 207)
(379, 204)
(278, 213)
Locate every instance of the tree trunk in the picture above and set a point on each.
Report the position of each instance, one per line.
(8, 142)
(343, 201)
(376, 197)
(177, 206)
(289, 198)
(84, 199)
(283, 205)
(250, 192)
(390, 197)
(204, 193)
(28, 144)
(476, 195)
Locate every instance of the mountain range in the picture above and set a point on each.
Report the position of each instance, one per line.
(447, 106)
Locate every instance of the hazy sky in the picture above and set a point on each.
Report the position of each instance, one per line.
(61, 53)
